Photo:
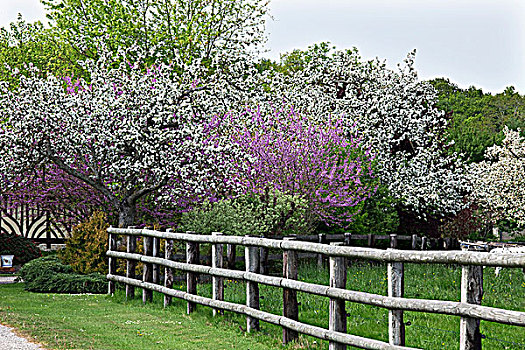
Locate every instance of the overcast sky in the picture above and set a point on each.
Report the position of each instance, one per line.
(472, 42)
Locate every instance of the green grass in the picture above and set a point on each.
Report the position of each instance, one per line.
(102, 322)
(428, 331)
(61, 321)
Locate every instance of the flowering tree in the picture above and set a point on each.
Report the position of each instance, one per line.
(322, 171)
(394, 112)
(125, 135)
(51, 190)
(499, 181)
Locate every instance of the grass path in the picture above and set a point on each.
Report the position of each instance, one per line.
(101, 322)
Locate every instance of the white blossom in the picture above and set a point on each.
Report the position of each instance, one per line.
(499, 180)
(397, 116)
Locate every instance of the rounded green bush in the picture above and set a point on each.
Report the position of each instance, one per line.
(49, 275)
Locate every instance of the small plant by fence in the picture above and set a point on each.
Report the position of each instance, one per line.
(469, 308)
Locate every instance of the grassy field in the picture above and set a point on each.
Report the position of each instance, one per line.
(427, 331)
(61, 321)
(102, 322)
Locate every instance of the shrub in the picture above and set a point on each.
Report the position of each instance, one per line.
(86, 249)
(49, 275)
(269, 214)
(22, 248)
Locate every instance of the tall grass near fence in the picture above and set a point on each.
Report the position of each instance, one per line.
(423, 330)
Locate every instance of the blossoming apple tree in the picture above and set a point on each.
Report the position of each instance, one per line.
(499, 181)
(126, 133)
(395, 113)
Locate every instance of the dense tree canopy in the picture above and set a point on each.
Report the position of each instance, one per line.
(30, 43)
(328, 170)
(197, 28)
(151, 74)
(126, 134)
(477, 119)
(499, 180)
(394, 111)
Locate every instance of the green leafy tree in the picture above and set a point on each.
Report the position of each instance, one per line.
(26, 43)
(198, 28)
(477, 119)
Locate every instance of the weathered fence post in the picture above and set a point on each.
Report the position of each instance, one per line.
(168, 272)
(447, 243)
(290, 307)
(396, 283)
(131, 246)
(192, 257)
(155, 249)
(251, 255)
(348, 239)
(424, 241)
(112, 266)
(147, 295)
(337, 313)
(414, 242)
(393, 240)
(321, 239)
(230, 255)
(217, 282)
(263, 260)
(471, 293)
(371, 240)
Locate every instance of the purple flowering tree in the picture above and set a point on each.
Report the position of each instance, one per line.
(51, 190)
(328, 172)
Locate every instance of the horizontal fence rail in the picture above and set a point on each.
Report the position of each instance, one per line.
(314, 331)
(408, 256)
(423, 305)
(469, 308)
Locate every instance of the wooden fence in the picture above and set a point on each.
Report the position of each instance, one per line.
(348, 239)
(416, 242)
(469, 308)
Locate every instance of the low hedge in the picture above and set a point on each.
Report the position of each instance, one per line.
(49, 275)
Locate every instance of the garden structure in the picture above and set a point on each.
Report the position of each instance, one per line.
(32, 223)
(469, 309)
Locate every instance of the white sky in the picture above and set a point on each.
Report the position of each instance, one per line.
(472, 42)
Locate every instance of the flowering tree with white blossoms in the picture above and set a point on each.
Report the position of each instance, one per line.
(394, 111)
(499, 181)
(126, 134)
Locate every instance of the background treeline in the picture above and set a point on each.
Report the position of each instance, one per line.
(477, 118)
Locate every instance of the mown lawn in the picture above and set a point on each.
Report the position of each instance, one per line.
(102, 322)
(61, 321)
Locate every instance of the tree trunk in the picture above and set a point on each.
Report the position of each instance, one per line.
(126, 213)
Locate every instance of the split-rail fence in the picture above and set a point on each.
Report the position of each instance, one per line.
(469, 309)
